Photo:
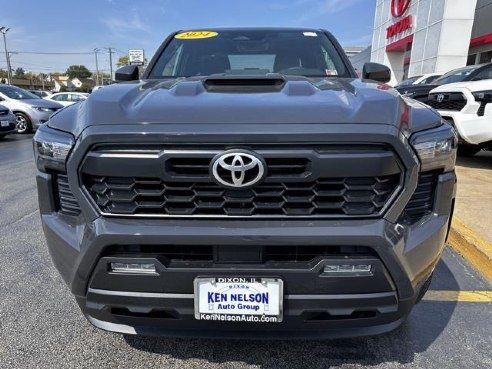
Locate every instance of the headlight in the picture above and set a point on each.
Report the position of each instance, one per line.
(51, 148)
(483, 96)
(45, 110)
(408, 94)
(436, 147)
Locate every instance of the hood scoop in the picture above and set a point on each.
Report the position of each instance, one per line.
(244, 84)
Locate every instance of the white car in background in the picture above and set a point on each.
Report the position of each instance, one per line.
(68, 98)
(468, 107)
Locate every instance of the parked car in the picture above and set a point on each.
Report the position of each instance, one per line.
(7, 121)
(419, 80)
(30, 110)
(68, 98)
(41, 93)
(468, 107)
(247, 185)
(470, 73)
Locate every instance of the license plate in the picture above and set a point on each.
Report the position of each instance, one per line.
(5, 123)
(239, 299)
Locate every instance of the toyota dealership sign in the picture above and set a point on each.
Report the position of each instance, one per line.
(398, 9)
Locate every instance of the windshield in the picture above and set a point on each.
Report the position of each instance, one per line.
(254, 52)
(17, 93)
(457, 75)
(408, 81)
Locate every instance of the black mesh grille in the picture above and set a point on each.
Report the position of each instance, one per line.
(422, 201)
(451, 101)
(67, 203)
(357, 196)
(481, 109)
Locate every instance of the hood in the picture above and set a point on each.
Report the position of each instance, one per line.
(483, 85)
(241, 100)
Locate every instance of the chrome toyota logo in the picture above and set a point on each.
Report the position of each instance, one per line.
(440, 98)
(238, 168)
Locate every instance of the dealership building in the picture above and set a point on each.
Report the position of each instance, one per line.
(414, 37)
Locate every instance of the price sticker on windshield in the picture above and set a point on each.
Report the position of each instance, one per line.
(194, 35)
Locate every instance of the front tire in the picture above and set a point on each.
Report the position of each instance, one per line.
(468, 150)
(23, 122)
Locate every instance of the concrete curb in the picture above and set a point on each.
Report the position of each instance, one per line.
(472, 247)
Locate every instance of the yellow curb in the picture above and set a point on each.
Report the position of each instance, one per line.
(472, 247)
(461, 296)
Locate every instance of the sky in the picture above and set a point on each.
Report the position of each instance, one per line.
(64, 26)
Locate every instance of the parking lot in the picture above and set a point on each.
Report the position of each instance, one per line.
(41, 326)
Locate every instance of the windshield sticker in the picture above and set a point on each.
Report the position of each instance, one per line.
(310, 34)
(331, 72)
(194, 35)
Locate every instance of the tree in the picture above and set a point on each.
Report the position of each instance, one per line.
(122, 61)
(19, 73)
(78, 71)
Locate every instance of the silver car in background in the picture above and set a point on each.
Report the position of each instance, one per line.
(7, 121)
(30, 110)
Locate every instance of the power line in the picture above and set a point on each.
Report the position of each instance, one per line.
(52, 53)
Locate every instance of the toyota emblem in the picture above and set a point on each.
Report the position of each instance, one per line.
(440, 98)
(238, 169)
(399, 7)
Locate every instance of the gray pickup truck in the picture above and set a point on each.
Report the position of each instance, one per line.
(247, 185)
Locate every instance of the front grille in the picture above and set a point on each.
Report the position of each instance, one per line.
(481, 109)
(422, 201)
(66, 201)
(451, 101)
(349, 196)
(4, 112)
(176, 255)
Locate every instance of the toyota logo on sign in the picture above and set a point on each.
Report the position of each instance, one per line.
(238, 169)
(399, 7)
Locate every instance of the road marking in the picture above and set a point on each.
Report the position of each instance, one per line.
(459, 296)
(472, 247)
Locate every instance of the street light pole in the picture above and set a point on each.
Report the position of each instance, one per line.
(4, 30)
(97, 66)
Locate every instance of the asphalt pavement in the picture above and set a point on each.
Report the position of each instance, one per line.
(42, 327)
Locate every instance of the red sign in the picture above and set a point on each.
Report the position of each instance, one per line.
(399, 7)
(399, 27)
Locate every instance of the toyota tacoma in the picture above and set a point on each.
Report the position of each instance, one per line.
(247, 184)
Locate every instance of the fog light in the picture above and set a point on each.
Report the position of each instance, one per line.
(347, 268)
(138, 268)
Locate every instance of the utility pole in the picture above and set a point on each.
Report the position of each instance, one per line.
(96, 50)
(4, 30)
(111, 64)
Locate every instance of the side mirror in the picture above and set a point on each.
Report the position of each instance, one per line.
(376, 72)
(127, 73)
